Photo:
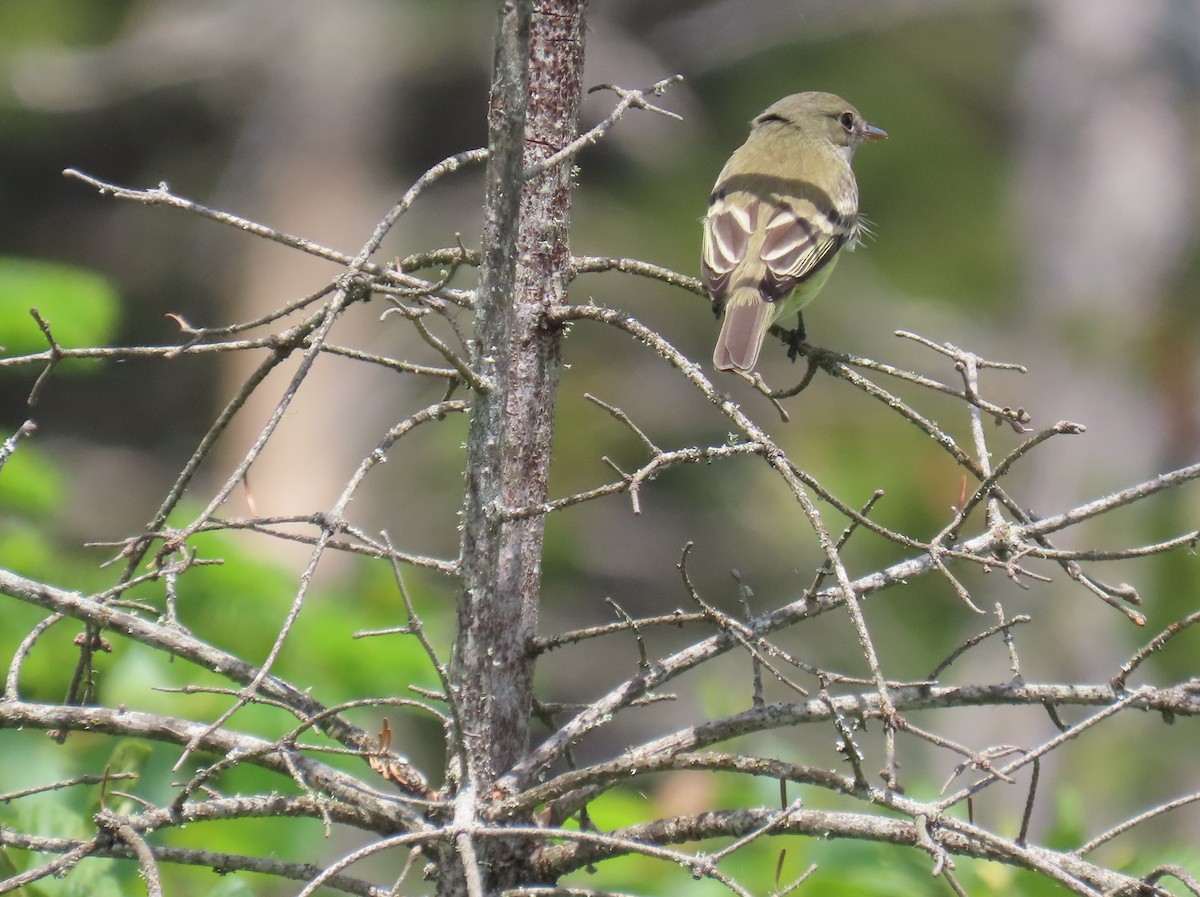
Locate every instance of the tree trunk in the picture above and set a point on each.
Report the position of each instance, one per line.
(525, 260)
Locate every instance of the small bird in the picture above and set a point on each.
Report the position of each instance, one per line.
(783, 206)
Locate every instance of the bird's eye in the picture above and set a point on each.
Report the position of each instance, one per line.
(846, 120)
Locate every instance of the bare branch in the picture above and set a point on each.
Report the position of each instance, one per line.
(1125, 826)
(1155, 644)
(162, 195)
(635, 99)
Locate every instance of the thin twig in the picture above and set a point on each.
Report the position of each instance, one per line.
(1155, 644)
(1002, 626)
(10, 444)
(629, 98)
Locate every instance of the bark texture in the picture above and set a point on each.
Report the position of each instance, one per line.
(533, 112)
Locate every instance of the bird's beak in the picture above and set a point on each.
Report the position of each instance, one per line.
(870, 132)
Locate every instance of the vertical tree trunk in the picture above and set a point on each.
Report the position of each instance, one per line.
(525, 256)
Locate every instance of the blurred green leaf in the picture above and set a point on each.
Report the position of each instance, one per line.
(81, 307)
(58, 22)
(26, 550)
(29, 484)
(128, 756)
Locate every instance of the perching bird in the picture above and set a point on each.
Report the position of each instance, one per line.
(783, 206)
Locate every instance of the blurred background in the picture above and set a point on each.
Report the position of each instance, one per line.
(1036, 202)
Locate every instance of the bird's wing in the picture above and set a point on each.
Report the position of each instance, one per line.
(728, 229)
(799, 240)
(779, 242)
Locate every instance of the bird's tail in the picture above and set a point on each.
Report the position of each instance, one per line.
(747, 319)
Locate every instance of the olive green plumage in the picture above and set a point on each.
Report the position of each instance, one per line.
(783, 207)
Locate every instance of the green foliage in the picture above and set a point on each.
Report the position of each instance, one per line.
(29, 484)
(81, 307)
(53, 814)
(58, 22)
